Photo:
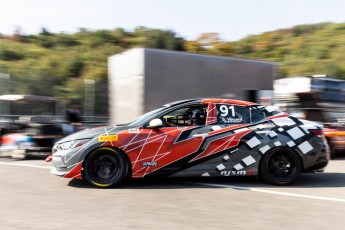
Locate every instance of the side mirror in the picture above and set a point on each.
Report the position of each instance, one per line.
(155, 123)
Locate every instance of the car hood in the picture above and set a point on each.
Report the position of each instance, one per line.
(89, 133)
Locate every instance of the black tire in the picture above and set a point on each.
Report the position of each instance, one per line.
(281, 166)
(105, 167)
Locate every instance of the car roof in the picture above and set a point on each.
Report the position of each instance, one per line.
(211, 100)
(228, 101)
(180, 102)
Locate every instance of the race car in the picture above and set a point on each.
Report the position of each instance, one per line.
(335, 136)
(196, 137)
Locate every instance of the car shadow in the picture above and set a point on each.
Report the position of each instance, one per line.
(306, 180)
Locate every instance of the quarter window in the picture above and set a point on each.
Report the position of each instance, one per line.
(232, 114)
(257, 114)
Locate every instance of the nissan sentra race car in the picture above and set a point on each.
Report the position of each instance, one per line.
(198, 137)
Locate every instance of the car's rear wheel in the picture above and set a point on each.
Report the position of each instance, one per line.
(105, 167)
(281, 166)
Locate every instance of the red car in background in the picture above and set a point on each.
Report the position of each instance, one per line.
(336, 139)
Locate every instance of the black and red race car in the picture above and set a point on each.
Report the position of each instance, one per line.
(198, 137)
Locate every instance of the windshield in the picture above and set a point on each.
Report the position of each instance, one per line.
(142, 118)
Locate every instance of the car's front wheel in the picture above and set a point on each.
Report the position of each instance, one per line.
(280, 166)
(105, 167)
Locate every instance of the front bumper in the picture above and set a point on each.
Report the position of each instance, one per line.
(55, 172)
(63, 171)
(66, 167)
(59, 167)
(75, 172)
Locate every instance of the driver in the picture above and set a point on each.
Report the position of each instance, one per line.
(195, 116)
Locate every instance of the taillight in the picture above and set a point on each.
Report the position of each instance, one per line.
(316, 132)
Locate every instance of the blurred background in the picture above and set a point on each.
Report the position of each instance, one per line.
(84, 63)
(69, 65)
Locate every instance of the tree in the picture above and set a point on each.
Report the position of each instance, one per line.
(45, 32)
(159, 39)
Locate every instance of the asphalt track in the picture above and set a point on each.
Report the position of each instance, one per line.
(32, 198)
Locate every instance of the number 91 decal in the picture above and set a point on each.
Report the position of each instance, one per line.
(228, 115)
(224, 109)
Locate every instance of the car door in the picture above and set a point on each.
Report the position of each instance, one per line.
(227, 125)
(169, 148)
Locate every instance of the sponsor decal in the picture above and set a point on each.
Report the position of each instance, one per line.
(149, 164)
(233, 173)
(231, 120)
(107, 138)
(133, 130)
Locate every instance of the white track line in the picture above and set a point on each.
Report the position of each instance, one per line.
(26, 165)
(220, 186)
(272, 192)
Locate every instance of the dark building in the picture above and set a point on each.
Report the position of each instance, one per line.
(143, 79)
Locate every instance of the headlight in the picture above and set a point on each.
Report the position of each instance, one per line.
(72, 144)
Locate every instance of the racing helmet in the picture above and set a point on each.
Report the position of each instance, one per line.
(195, 116)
